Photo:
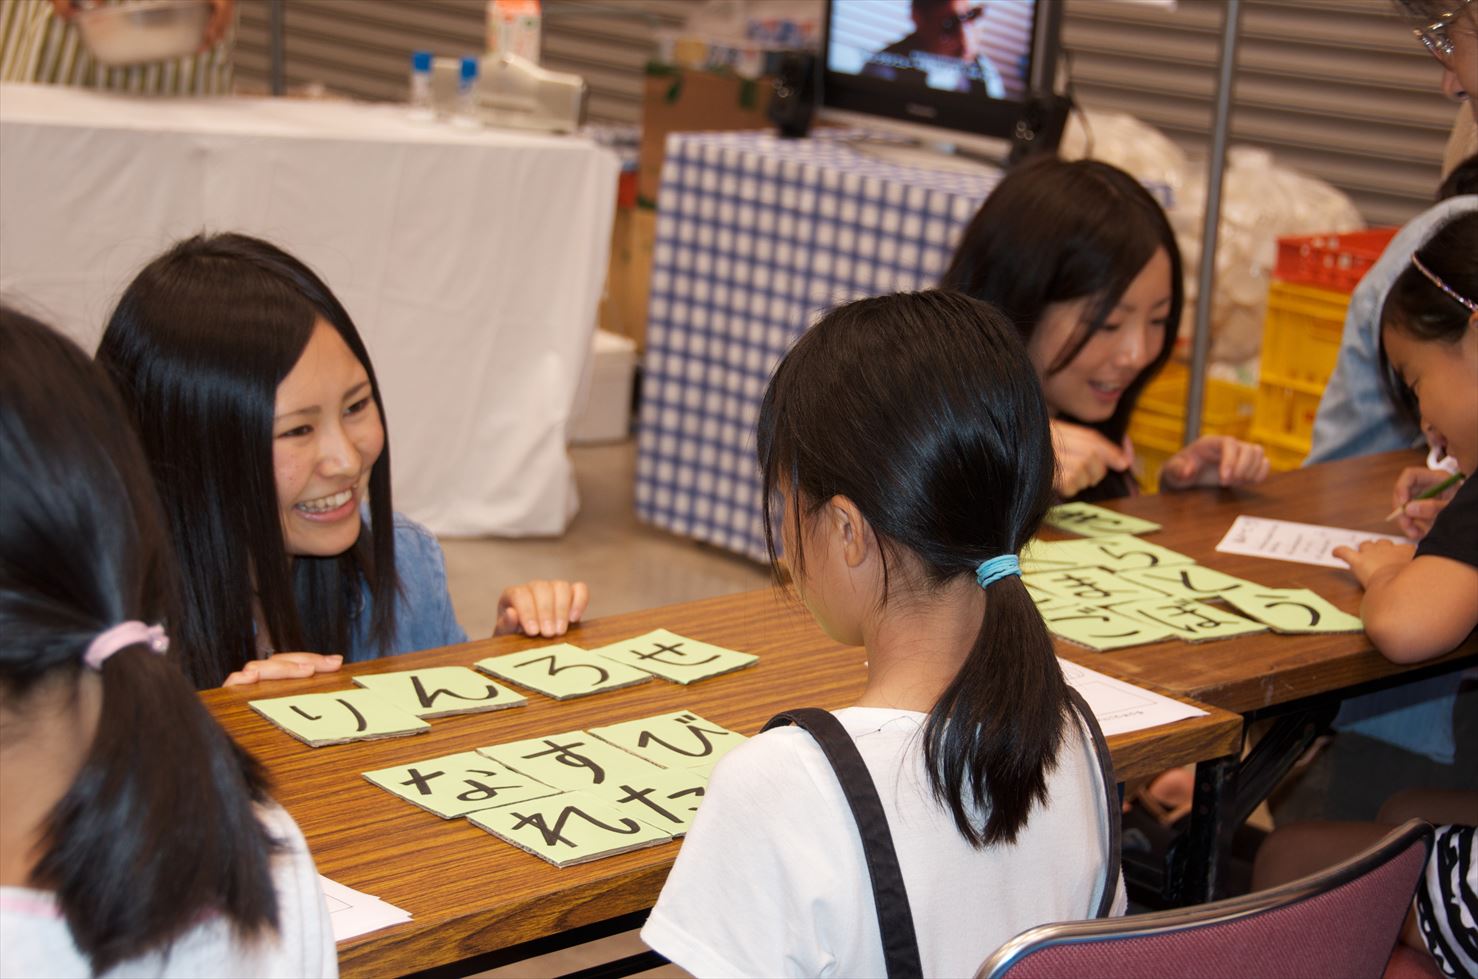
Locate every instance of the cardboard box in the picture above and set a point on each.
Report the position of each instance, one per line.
(623, 310)
(679, 100)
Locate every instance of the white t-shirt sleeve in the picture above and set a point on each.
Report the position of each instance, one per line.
(736, 904)
(306, 936)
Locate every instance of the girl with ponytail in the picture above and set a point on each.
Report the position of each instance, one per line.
(905, 448)
(136, 838)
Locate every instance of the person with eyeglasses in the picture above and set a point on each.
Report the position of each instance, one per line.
(943, 53)
(1449, 30)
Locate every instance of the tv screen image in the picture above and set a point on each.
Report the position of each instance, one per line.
(971, 47)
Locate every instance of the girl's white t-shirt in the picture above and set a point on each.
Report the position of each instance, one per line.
(771, 880)
(36, 943)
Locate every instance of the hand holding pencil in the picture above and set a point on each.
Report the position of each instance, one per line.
(1419, 495)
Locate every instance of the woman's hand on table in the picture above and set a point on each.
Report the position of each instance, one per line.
(1084, 457)
(541, 608)
(1416, 516)
(1373, 557)
(1215, 460)
(284, 666)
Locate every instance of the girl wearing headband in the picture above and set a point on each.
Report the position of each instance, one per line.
(263, 424)
(902, 494)
(1422, 602)
(135, 837)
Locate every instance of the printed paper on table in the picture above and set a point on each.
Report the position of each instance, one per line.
(440, 691)
(569, 828)
(562, 671)
(319, 719)
(674, 657)
(454, 785)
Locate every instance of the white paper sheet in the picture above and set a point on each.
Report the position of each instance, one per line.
(354, 913)
(1284, 540)
(1122, 707)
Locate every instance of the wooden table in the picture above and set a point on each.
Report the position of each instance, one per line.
(1297, 680)
(474, 897)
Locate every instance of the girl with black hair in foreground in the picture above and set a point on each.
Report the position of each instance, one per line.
(905, 448)
(1080, 257)
(263, 424)
(136, 839)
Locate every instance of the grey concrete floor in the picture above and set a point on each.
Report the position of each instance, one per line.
(628, 566)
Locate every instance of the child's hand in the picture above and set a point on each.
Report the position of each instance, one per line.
(1416, 516)
(546, 608)
(1373, 557)
(284, 666)
(1215, 460)
(1084, 457)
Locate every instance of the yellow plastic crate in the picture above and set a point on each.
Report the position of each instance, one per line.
(1284, 452)
(1286, 416)
(1301, 334)
(1157, 427)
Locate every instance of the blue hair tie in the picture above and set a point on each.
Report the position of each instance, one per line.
(997, 568)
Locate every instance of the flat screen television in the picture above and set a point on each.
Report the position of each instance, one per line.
(964, 69)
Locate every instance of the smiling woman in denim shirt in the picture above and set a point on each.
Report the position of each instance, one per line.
(262, 420)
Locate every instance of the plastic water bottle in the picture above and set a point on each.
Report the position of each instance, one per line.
(466, 114)
(420, 100)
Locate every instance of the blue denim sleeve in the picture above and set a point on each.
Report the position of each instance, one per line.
(1356, 416)
(424, 618)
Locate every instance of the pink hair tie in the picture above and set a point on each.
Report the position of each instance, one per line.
(121, 636)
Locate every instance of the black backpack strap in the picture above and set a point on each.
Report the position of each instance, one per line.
(1111, 801)
(895, 917)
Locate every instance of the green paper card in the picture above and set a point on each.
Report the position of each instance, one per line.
(562, 671)
(454, 785)
(674, 657)
(1092, 586)
(570, 761)
(1056, 555)
(678, 740)
(1096, 521)
(1041, 599)
(1293, 610)
(1191, 620)
(440, 691)
(1101, 629)
(318, 719)
(1188, 581)
(1126, 552)
(667, 800)
(568, 829)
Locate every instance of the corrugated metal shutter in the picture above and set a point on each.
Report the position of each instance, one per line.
(1336, 88)
(361, 48)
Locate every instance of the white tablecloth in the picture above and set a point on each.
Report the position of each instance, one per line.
(472, 261)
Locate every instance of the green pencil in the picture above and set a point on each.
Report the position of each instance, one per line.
(1441, 487)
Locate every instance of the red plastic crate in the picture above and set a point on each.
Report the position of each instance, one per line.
(1336, 262)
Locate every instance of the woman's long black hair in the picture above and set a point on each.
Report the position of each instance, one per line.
(924, 411)
(197, 346)
(1416, 306)
(158, 828)
(1056, 231)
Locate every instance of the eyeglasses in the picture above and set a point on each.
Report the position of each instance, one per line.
(953, 23)
(1434, 36)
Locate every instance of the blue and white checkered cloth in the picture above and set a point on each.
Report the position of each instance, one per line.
(756, 237)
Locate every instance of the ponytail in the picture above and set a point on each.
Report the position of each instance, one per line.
(948, 455)
(993, 735)
(158, 826)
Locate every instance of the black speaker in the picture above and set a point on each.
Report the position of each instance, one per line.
(1039, 127)
(793, 104)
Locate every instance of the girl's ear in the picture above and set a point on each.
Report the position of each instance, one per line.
(851, 534)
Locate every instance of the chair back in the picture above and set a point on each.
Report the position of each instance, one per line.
(1341, 922)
